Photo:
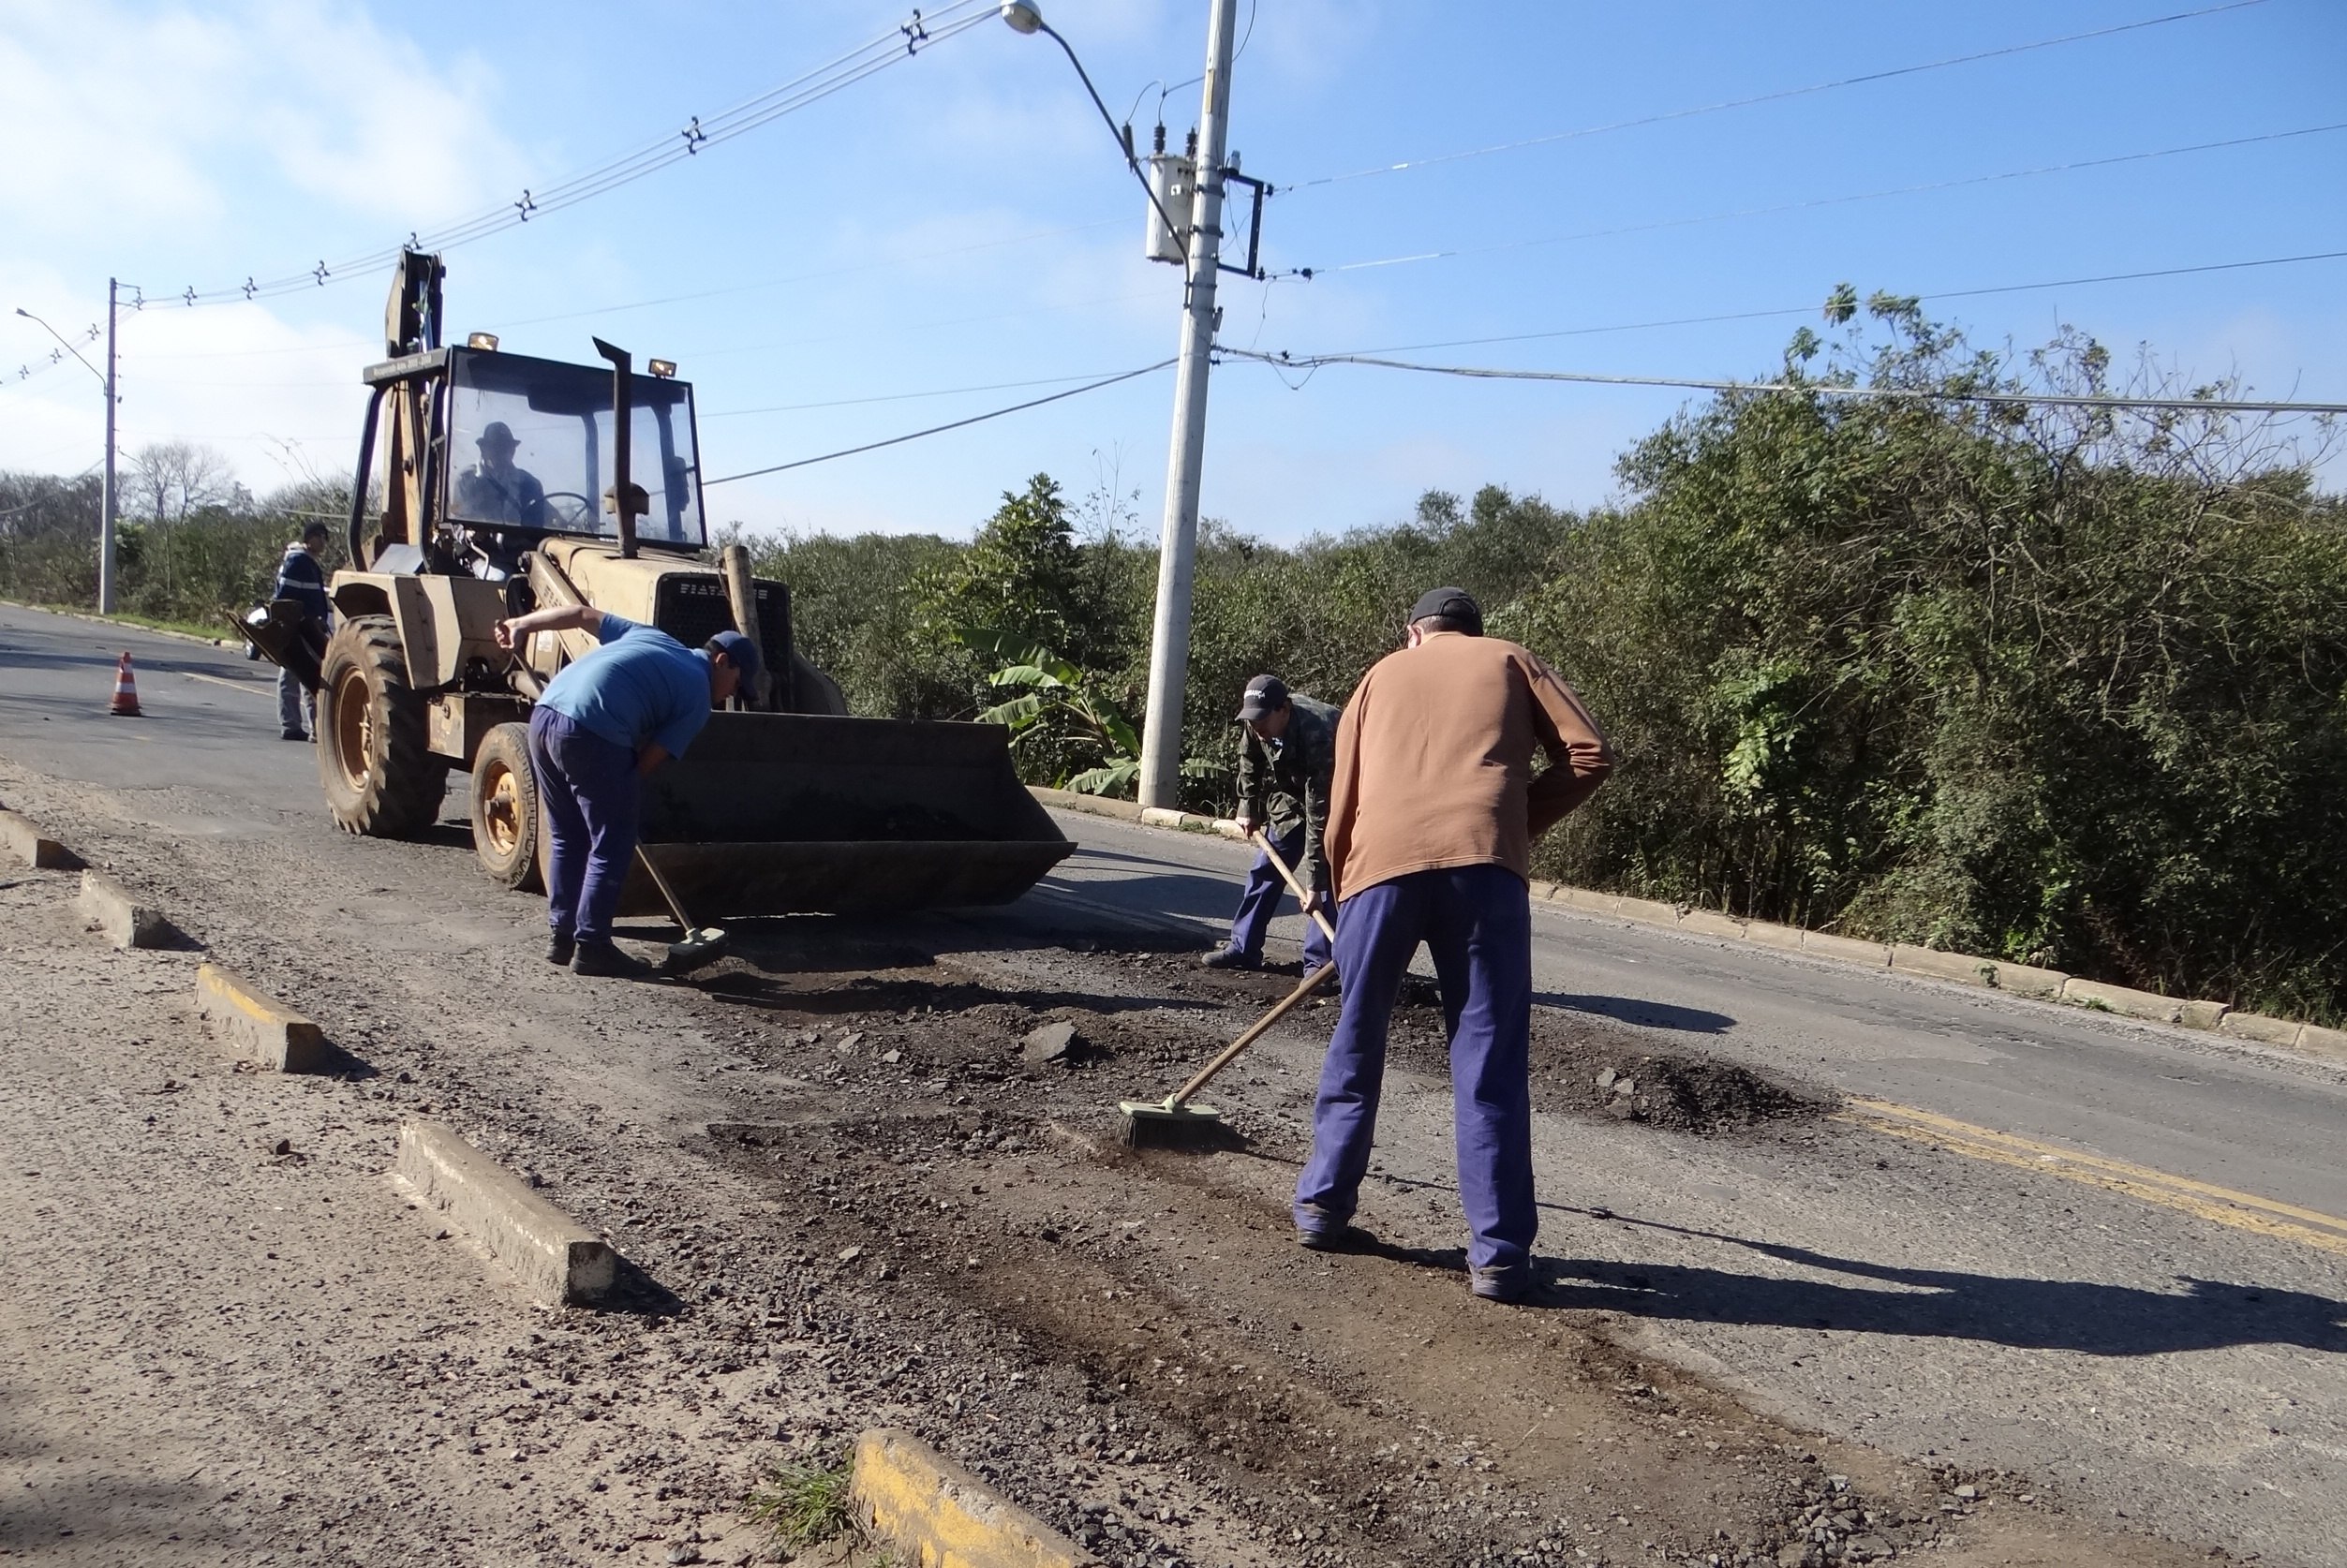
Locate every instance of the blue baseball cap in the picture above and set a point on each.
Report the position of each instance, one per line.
(739, 651)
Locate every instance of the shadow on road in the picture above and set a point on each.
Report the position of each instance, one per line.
(1637, 1010)
(2024, 1312)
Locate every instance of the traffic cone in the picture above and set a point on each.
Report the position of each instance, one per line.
(126, 691)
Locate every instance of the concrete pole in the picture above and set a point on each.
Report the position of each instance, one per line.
(1169, 638)
(106, 604)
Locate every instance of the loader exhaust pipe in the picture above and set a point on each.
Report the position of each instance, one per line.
(626, 499)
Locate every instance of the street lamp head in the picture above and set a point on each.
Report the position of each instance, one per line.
(26, 313)
(1024, 16)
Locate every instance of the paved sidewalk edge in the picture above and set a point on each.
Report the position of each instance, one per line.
(1960, 969)
(912, 1497)
(557, 1260)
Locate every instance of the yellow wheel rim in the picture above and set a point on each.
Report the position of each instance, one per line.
(354, 729)
(501, 809)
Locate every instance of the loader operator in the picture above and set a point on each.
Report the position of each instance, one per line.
(1284, 758)
(601, 724)
(1432, 812)
(494, 490)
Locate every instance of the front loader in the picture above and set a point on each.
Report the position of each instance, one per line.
(511, 482)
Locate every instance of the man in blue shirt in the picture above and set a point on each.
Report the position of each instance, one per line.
(601, 724)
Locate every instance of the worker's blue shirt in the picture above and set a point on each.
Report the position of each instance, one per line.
(641, 687)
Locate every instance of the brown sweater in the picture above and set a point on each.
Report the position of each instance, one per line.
(1434, 762)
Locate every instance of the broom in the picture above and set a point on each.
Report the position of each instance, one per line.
(1173, 1122)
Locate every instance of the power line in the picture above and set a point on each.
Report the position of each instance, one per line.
(1811, 309)
(1812, 388)
(940, 429)
(1815, 202)
(898, 44)
(895, 397)
(1777, 96)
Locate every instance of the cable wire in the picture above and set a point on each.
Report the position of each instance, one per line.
(1979, 292)
(940, 429)
(888, 48)
(1814, 203)
(1777, 96)
(1812, 388)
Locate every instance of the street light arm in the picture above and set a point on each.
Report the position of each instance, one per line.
(69, 346)
(1110, 121)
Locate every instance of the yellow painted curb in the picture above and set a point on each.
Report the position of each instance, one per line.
(275, 1035)
(2242, 1211)
(907, 1494)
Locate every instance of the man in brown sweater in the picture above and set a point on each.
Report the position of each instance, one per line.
(1431, 816)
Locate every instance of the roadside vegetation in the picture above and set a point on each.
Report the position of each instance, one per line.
(2060, 685)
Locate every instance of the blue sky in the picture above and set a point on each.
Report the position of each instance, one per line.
(962, 220)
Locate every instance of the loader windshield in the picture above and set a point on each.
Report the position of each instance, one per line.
(550, 423)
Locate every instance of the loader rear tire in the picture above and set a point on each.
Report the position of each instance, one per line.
(505, 821)
(374, 747)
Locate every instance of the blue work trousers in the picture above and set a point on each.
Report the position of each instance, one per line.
(1261, 898)
(1476, 922)
(297, 709)
(590, 789)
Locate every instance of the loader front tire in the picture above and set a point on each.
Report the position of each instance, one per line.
(505, 820)
(374, 755)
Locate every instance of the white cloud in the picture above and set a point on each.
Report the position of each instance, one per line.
(126, 114)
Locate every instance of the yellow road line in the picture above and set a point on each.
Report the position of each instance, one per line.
(2244, 1211)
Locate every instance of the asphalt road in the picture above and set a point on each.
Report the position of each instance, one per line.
(2155, 1364)
(2176, 1101)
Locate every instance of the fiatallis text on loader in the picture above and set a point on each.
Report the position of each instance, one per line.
(588, 492)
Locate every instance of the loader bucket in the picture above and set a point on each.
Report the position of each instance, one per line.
(799, 814)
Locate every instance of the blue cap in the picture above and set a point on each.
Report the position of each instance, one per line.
(739, 651)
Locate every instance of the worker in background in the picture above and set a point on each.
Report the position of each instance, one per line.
(494, 490)
(302, 578)
(601, 724)
(1285, 753)
(1434, 809)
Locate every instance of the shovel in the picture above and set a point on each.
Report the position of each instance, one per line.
(702, 945)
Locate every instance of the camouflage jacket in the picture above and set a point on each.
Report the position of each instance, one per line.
(1284, 784)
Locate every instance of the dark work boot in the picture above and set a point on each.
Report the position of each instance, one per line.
(605, 961)
(1229, 959)
(560, 949)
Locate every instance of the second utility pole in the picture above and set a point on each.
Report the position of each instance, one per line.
(106, 595)
(1169, 638)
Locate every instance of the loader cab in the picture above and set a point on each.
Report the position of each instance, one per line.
(516, 449)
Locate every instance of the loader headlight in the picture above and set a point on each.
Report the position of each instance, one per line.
(664, 368)
(482, 340)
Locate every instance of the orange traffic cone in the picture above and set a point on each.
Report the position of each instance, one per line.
(126, 691)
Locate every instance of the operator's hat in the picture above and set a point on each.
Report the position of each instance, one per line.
(1265, 694)
(1452, 604)
(496, 433)
(741, 652)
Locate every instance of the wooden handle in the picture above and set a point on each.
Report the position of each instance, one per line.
(667, 893)
(1280, 1010)
(1293, 886)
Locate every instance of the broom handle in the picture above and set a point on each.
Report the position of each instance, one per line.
(1305, 988)
(1293, 886)
(667, 893)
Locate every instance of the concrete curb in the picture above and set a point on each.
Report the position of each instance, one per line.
(1959, 968)
(110, 908)
(557, 1259)
(277, 1037)
(940, 1516)
(25, 841)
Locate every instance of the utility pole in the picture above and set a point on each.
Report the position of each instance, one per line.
(106, 498)
(1170, 636)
